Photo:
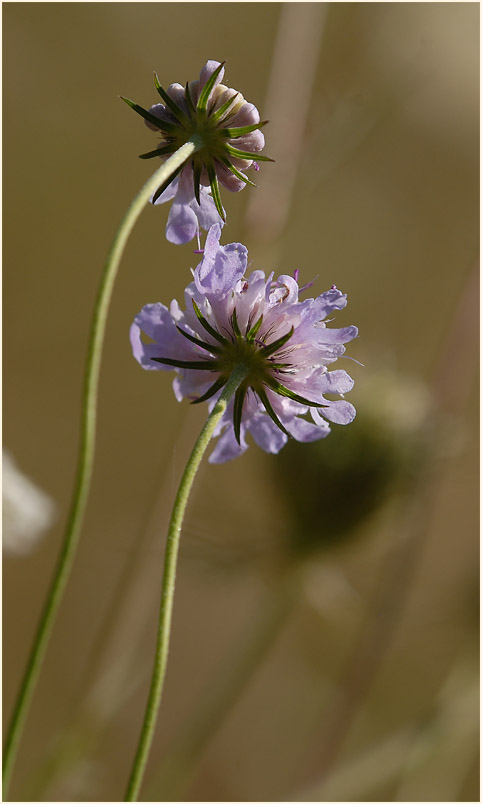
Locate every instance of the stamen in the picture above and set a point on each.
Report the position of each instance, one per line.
(308, 285)
(267, 334)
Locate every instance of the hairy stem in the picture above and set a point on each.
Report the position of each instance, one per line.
(168, 582)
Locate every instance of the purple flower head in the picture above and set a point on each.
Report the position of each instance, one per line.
(254, 321)
(226, 130)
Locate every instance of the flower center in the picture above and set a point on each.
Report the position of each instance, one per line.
(242, 352)
(209, 139)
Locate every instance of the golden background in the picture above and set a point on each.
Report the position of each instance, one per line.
(364, 685)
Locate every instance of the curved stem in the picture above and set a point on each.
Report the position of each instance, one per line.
(168, 581)
(86, 453)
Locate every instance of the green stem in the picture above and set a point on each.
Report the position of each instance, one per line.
(86, 454)
(168, 581)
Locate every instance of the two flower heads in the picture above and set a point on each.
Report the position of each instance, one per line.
(231, 319)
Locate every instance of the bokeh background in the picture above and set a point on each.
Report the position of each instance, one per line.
(325, 625)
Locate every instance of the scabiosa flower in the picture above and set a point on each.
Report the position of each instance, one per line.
(259, 323)
(226, 131)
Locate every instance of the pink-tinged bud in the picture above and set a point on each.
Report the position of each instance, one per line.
(225, 128)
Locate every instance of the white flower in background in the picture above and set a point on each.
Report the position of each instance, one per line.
(27, 510)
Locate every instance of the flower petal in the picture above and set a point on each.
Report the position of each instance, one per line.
(330, 335)
(332, 382)
(178, 93)
(160, 111)
(247, 115)
(182, 224)
(227, 447)
(144, 352)
(156, 322)
(221, 96)
(319, 308)
(206, 213)
(285, 291)
(307, 431)
(168, 194)
(222, 266)
(186, 215)
(253, 142)
(206, 73)
(228, 179)
(266, 434)
(191, 384)
(339, 412)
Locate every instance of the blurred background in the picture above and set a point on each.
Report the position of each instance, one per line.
(325, 634)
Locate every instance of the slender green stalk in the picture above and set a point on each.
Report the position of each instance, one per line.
(168, 582)
(86, 453)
